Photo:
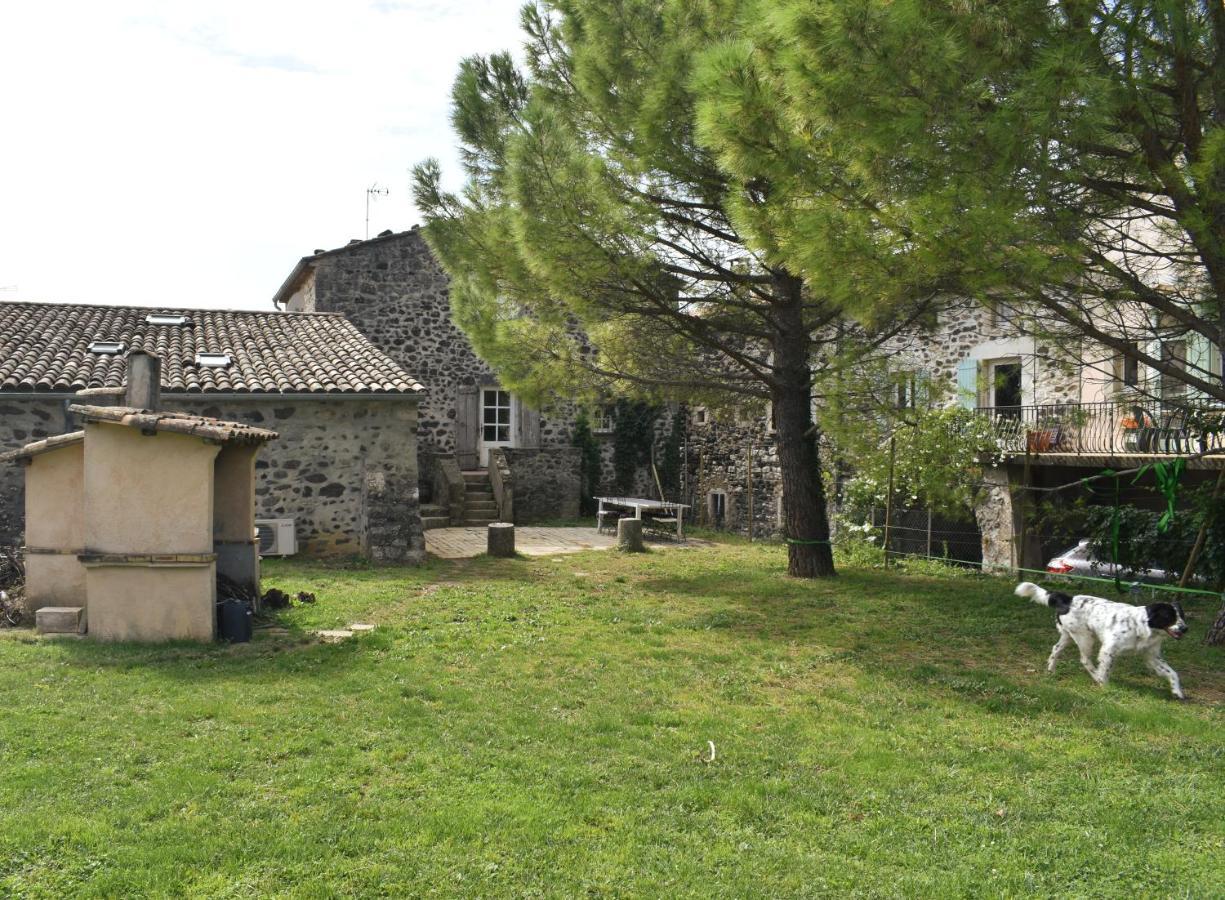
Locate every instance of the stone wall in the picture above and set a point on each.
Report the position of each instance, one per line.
(344, 469)
(719, 461)
(546, 483)
(23, 421)
(719, 450)
(964, 331)
(395, 292)
(643, 484)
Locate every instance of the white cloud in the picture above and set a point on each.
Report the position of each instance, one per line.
(190, 153)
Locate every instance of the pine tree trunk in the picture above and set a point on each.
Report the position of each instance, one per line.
(809, 554)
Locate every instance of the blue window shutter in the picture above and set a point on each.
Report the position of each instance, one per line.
(967, 383)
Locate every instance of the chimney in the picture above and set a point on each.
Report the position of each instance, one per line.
(144, 380)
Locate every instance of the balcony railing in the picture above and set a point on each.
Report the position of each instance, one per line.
(1111, 427)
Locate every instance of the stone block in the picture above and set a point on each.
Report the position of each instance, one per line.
(334, 635)
(60, 620)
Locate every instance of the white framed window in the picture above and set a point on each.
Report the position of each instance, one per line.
(1003, 388)
(603, 419)
(495, 420)
(700, 415)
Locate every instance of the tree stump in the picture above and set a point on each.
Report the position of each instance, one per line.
(629, 535)
(501, 539)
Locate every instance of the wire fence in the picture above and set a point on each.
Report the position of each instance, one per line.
(922, 532)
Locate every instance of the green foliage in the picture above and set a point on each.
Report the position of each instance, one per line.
(938, 459)
(632, 440)
(590, 463)
(670, 461)
(1054, 158)
(857, 544)
(1143, 543)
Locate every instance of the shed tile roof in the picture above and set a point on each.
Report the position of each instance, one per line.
(45, 347)
(46, 445)
(176, 422)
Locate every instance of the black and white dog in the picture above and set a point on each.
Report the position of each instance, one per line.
(1120, 627)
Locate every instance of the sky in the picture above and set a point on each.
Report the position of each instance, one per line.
(189, 153)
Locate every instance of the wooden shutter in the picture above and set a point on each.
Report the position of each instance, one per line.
(528, 428)
(467, 426)
(967, 383)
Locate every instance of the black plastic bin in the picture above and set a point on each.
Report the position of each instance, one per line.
(234, 621)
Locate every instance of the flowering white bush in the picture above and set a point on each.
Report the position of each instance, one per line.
(938, 461)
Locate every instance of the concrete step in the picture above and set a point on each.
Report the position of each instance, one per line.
(428, 522)
(477, 475)
(489, 508)
(60, 620)
(434, 509)
(474, 487)
(483, 497)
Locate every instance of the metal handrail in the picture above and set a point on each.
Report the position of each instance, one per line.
(1111, 427)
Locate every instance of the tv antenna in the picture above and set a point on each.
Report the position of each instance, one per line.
(373, 191)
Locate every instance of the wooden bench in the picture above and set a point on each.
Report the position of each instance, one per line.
(664, 525)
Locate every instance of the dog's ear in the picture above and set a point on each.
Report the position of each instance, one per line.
(1161, 615)
(1059, 601)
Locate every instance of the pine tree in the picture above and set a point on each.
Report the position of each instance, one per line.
(1061, 161)
(600, 248)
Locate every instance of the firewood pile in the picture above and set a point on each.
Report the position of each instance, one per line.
(273, 598)
(12, 587)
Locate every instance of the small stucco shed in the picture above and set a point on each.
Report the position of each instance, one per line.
(134, 517)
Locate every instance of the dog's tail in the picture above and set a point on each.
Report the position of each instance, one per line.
(1033, 592)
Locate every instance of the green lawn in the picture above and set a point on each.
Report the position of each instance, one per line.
(541, 727)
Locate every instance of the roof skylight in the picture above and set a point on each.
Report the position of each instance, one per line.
(167, 319)
(213, 360)
(106, 348)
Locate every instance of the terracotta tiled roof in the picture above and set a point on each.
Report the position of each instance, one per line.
(177, 422)
(45, 347)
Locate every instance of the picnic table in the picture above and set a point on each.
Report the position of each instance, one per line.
(663, 511)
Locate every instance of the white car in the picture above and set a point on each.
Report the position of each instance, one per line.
(1079, 560)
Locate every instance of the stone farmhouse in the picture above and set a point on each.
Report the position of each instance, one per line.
(1057, 419)
(395, 292)
(345, 467)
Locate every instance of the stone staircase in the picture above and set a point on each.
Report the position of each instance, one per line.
(479, 506)
(434, 516)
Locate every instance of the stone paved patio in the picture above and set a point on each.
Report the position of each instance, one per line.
(461, 543)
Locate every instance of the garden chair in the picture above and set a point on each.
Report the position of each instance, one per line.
(1172, 436)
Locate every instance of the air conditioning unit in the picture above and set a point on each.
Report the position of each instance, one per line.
(276, 537)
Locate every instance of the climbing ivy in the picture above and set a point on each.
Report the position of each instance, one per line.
(633, 435)
(589, 463)
(668, 461)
